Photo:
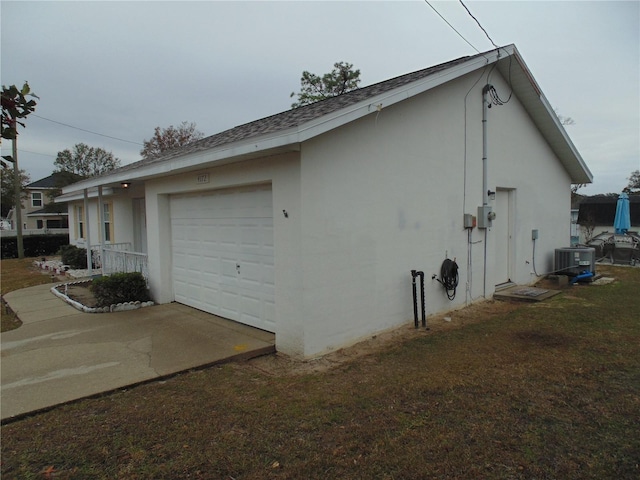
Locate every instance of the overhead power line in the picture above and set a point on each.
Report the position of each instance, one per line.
(481, 27)
(451, 26)
(85, 130)
(37, 153)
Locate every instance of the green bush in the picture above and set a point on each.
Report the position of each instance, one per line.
(73, 256)
(120, 288)
(34, 245)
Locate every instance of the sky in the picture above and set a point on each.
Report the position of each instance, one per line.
(120, 69)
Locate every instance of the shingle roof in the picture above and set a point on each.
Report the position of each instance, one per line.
(286, 130)
(55, 180)
(47, 182)
(295, 117)
(601, 210)
(58, 209)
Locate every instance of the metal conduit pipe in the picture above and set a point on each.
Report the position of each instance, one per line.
(485, 188)
(485, 108)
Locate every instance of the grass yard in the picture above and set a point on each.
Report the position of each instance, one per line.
(14, 275)
(544, 391)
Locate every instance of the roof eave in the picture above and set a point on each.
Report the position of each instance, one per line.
(288, 140)
(541, 112)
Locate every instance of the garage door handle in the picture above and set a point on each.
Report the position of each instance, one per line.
(238, 267)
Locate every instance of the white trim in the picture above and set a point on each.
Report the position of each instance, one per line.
(290, 139)
(76, 195)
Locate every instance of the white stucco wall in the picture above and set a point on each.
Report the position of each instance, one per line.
(387, 194)
(520, 159)
(372, 200)
(122, 217)
(283, 173)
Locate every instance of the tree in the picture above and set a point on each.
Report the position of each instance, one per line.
(164, 139)
(574, 191)
(634, 183)
(341, 79)
(7, 181)
(588, 226)
(15, 106)
(566, 121)
(86, 161)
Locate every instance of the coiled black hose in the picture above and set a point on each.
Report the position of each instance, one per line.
(449, 277)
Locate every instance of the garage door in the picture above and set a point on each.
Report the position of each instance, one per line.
(222, 248)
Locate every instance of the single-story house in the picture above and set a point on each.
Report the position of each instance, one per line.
(597, 213)
(308, 223)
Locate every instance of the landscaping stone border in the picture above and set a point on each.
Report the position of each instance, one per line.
(116, 307)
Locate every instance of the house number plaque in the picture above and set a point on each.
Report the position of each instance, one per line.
(203, 178)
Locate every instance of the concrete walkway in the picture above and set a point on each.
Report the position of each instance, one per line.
(60, 354)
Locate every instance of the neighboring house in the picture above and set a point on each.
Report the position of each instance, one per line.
(308, 223)
(597, 214)
(574, 227)
(39, 212)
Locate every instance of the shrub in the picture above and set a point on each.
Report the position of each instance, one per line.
(120, 288)
(73, 256)
(34, 245)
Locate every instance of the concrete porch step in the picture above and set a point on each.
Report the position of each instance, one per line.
(525, 294)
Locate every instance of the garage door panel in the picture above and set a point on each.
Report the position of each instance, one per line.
(222, 246)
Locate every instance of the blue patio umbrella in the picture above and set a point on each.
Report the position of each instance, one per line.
(622, 222)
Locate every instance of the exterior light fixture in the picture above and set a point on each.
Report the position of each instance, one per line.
(491, 195)
(125, 184)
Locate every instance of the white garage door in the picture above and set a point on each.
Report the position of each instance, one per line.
(222, 246)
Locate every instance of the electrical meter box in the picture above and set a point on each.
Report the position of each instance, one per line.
(485, 216)
(469, 221)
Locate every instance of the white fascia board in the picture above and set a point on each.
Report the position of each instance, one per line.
(556, 134)
(203, 159)
(386, 99)
(48, 214)
(292, 137)
(588, 176)
(78, 194)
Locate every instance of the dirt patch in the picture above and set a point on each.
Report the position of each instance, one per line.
(283, 365)
(80, 293)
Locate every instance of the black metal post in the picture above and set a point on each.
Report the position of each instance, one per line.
(415, 298)
(424, 313)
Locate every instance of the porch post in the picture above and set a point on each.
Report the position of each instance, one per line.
(102, 229)
(86, 228)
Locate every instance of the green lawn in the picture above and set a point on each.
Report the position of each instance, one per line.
(14, 275)
(544, 391)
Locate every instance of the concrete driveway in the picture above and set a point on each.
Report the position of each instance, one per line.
(60, 354)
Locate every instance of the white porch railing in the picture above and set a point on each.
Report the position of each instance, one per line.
(116, 258)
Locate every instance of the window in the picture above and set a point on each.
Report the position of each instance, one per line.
(36, 199)
(56, 223)
(108, 224)
(79, 225)
(39, 224)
